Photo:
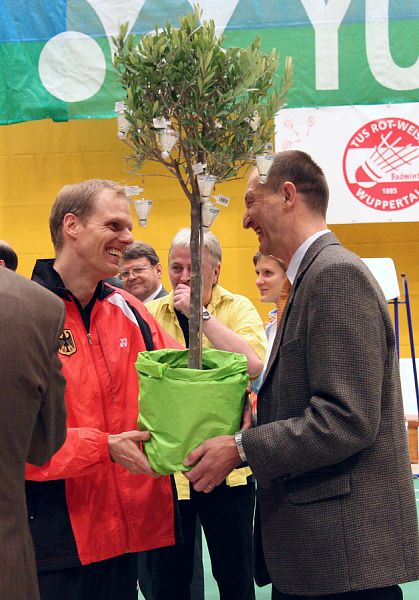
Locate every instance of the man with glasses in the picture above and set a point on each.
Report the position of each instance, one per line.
(140, 271)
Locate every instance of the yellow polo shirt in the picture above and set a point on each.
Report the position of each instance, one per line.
(235, 311)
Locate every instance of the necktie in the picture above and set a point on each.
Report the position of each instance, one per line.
(283, 297)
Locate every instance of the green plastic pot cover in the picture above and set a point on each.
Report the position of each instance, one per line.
(182, 407)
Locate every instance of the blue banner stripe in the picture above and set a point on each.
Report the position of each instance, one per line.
(39, 20)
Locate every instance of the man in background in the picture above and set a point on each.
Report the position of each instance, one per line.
(140, 274)
(8, 257)
(97, 503)
(32, 416)
(232, 323)
(336, 506)
(140, 271)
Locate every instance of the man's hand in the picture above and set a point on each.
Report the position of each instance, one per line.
(182, 299)
(124, 449)
(215, 459)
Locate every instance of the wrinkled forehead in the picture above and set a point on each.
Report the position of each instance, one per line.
(139, 261)
(109, 205)
(253, 181)
(109, 198)
(180, 255)
(254, 188)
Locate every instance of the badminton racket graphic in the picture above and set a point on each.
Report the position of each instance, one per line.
(290, 125)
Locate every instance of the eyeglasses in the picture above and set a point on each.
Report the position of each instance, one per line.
(135, 271)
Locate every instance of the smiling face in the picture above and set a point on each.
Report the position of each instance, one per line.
(270, 278)
(140, 277)
(180, 271)
(103, 235)
(264, 214)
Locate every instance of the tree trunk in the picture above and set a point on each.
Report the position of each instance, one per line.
(195, 317)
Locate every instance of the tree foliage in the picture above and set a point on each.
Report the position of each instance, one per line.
(209, 93)
(213, 98)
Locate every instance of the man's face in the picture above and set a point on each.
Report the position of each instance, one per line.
(180, 271)
(263, 214)
(101, 239)
(140, 277)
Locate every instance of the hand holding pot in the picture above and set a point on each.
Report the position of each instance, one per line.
(124, 449)
(213, 460)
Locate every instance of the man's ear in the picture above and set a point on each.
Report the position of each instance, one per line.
(216, 274)
(159, 270)
(289, 193)
(71, 225)
(2, 263)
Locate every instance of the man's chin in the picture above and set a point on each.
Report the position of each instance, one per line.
(109, 273)
(263, 247)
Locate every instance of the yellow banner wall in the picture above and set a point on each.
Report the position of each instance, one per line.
(39, 157)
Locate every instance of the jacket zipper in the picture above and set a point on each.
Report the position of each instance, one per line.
(114, 476)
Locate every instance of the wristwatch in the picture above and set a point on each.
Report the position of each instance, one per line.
(239, 443)
(205, 314)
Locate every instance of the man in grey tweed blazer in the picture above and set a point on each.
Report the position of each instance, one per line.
(336, 511)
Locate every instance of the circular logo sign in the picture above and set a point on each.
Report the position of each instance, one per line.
(381, 164)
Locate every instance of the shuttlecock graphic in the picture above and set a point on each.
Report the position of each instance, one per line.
(123, 127)
(167, 139)
(209, 214)
(311, 120)
(264, 163)
(386, 156)
(206, 184)
(254, 121)
(142, 208)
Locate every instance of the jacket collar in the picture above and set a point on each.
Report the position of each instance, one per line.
(45, 274)
(328, 239)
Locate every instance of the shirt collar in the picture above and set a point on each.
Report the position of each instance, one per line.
(154, 294)
(218, 294)
(299, 254)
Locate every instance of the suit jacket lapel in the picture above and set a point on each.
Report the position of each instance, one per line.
(316, 247)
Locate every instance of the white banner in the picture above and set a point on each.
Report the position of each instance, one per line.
(370, 156)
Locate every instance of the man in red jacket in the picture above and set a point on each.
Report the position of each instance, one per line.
(97, 502)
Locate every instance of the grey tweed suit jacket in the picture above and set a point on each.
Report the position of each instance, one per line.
(32, 416)
(336, 507)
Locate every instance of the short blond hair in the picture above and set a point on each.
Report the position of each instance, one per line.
(78, 199)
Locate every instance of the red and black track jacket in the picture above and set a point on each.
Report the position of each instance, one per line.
(82, 507)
